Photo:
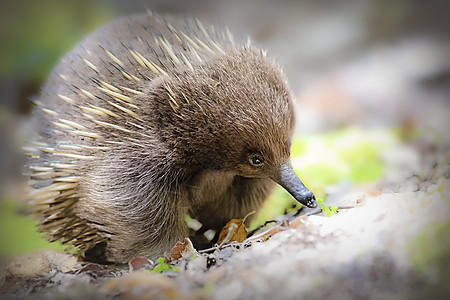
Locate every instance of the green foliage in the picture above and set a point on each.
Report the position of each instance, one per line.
(163, 267)
(35, 34)
(349, 154)
(321, 160)
(328, 210)
(18, 233)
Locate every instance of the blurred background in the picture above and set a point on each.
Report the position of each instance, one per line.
(355, 67)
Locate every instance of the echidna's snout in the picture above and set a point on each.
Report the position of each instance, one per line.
(287, 178)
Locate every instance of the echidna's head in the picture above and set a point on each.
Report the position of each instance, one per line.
(234, 113)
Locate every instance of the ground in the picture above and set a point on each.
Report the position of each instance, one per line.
(372, 140)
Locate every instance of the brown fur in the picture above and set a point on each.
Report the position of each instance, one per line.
(183, 149)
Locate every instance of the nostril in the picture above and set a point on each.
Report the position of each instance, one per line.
(311, 200)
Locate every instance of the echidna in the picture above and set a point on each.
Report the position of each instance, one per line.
(145, 122)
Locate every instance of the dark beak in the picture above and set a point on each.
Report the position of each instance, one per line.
(287, 178)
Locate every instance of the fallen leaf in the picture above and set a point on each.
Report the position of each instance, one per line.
(234, 231)
(139, 263)
(182, 249)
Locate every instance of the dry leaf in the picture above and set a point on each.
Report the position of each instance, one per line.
(139, 263)
(182, 249)
(234, 231)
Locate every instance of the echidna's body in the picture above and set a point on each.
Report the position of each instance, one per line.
(145, 122)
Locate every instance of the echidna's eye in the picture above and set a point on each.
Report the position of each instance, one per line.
(256, 160)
